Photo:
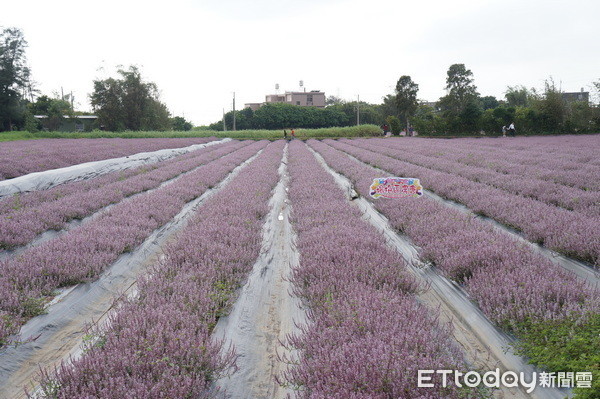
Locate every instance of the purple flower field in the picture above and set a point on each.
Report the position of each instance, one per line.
(369, 327)
(569, 232)
(84, 252)
(368, 336)
(504, 172)
(158, 345)
(510, 283)
(24, 216)
(19, 158)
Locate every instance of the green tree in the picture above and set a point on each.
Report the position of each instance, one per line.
(333, 100)
(14, 78)
(492, 120)
(580, 117)
(460, 89)
(286, 116)
(469, 117)
(406, 97)
(526, 120)
(129, 103)
(488, 102)
(53, 108)
(460, 104)
(551, 109)
(517, 96)
(388, 107)
(394, 124)
(107, 103)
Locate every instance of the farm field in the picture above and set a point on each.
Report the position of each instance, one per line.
(267, 270)
(18, 158)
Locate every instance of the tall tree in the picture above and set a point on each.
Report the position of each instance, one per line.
(406, 97)
(488, 102)
(14, 77)
(460, 105)
(551, 109)
(459, 87)
(107, 103)
(517, 96)
(129, 103)
(388, 107)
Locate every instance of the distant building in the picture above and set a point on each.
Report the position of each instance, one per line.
(275, 98)
(77, 123)
(313, 98)
(583, 96)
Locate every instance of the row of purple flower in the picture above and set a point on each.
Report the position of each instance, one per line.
(524, 180)
(21, 157)
(367, 335)
(158, 344)
(510, 283)
(25, 216)
(86, 251)
(556, 228)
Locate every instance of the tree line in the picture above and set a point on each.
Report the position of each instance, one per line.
(126, 102)
(129, 102)
(461, 111)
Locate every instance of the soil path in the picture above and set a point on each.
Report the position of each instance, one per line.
(265, 311)
(53, 177)
(486, 348)
(60, 333)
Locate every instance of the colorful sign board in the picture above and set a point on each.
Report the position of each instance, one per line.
(396, 187)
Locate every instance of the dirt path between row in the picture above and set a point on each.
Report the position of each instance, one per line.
(60, 332)
(584, 271)
(485, 347)
(87, 170)
(265, 311)
(75, 223)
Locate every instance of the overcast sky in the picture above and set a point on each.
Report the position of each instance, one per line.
(199, 52)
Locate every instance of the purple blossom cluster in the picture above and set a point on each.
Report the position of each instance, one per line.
(553, 164)
(567, 148)
(86, 251)
(158, 344)
(570, 233)
(25, 216)
(367, 335)
(509, 282)
(522, 181)
(19, 158)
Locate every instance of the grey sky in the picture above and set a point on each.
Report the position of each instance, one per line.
(199, 52)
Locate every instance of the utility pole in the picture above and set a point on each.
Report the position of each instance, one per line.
(234, 111)
(358, 110)
(224, 125)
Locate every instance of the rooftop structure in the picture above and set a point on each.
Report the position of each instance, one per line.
(583, 96)
(313, 98)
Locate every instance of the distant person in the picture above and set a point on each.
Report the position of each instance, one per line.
(285, 134)
(293, 134)
(511, 129)
(504, 131)
(411, 131)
